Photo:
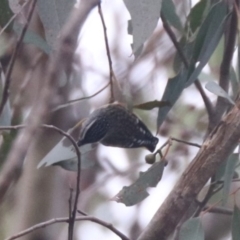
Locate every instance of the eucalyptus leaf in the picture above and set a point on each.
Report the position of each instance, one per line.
(152, 104)
(236, 224)
(207, 39)
(192, 229)
(197, 15)
(144, 19)
(172, 92)
(228, 176)
(6, 116)
(53, 14)
(169, 12)
(214, 88)
(137, 192)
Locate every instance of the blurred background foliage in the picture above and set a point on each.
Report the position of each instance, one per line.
(144, 58)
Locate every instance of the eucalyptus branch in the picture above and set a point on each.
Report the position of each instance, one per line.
(226, 65)
(7, 82)
(66, 220)
(215, 150)
(111, 73)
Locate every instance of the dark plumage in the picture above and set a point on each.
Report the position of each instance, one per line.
(114, 125)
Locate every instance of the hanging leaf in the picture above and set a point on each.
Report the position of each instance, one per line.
(172, 92)
(217, 90)
(53, 14)
(207, 39)
(144, 16)
(234, 81)
(169, 12)
(192, 229)
(197, 15)
(137, 192)
(152, 104)
(236, 223)
(228, 176)
(6, 116)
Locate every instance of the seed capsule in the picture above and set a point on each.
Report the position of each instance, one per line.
(114, 125)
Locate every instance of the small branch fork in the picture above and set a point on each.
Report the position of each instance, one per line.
(111, 72)
(67, 220)
(65, 134)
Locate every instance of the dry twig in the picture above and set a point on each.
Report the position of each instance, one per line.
(111, 73)
(62, 220)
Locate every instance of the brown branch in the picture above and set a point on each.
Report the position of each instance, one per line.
(62, 220)
(111, 73)
(215, 150)
(206, 100)
(7, 82)
(226, 65)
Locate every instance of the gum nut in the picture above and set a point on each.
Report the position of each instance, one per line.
(150, 158)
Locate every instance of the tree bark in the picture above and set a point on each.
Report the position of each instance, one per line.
(216, 149)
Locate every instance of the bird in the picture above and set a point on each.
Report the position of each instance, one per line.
(116, 126)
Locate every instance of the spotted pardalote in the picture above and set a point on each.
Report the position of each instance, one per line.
(114, 125)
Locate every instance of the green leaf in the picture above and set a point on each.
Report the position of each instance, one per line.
(214, 88)
(234, 82)
(236, 224)
(152, 104)
(137, 192)
(228, 176)
(197, 14)
(172, 92)
(144, 19)
(33, 38)
(187, 48)
(208, 38)
(6, 116)
(192, 229)
(5, 14)
(169, 12)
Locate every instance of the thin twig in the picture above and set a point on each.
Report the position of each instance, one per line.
(70, 212)
(221, 104)
(66, 219)
(5, 93)
(206, 100)
(74, 211)
(71, 102)
(111, 73)
(220, 210)
(186, 142)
